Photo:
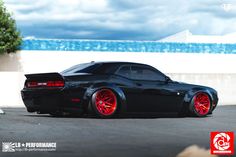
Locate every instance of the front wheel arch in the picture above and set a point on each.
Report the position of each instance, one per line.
(185, 110)
(193, 108)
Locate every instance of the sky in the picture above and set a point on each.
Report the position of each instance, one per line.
(122, 19)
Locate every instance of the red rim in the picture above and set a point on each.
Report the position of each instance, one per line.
(202, 103)
(105, 101)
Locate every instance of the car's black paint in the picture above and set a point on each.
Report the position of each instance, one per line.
(134, 95)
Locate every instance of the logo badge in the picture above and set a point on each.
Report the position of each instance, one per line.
(227, 6)
(222, 143)
(8, 147)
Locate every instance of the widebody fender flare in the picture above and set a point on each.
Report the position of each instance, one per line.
(118, 91)
(190, 94)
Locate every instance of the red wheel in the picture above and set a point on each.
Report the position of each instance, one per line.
(104, 102)
(201, 104)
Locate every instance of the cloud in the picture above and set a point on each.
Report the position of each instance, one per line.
(121, 19)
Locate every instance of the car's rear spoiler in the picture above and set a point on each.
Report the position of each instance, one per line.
(44, 76)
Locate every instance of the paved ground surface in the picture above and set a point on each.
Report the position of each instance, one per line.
(132, 136)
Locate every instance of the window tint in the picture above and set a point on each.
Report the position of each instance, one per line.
(124, 71)
(146, 73)
(87, 69)
(81, 68)
(106, 68)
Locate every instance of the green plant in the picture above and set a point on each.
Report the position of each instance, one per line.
(10, 38)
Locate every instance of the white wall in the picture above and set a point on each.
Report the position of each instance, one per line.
(225, 84)
(11, 83)
(215, 70)
(42, 61)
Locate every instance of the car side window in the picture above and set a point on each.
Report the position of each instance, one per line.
(146, 73)
(124, 71)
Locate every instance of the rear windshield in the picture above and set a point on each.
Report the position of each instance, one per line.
(82, 68)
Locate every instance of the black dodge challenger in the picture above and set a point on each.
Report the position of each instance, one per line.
(107, 89)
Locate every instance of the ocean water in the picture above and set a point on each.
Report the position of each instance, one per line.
(125, 46)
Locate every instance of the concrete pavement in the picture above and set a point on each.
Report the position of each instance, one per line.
(131, 136)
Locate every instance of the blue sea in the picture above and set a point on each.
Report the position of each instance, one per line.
(125, 46)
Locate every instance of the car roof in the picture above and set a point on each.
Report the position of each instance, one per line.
(118, 63)
(112, 66)
(103, 67)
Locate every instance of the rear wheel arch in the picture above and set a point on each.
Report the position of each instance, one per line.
(120, 96)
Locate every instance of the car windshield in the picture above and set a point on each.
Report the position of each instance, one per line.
(82, 68)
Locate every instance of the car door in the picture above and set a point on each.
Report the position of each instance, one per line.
(131, 88)
(154, 93)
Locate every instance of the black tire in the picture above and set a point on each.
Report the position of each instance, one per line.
(30, 109)
(200, 105)
(100, 110)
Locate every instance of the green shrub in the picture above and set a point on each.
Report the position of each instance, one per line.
(10, 38)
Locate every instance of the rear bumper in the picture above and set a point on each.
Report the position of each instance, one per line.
(48, 101)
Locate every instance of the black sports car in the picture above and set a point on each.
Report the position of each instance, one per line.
(113, 88)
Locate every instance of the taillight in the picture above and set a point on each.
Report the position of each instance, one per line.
(35, 84)
(32, 84)
(55, 84)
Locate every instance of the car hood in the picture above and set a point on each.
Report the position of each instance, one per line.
(188, 86)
